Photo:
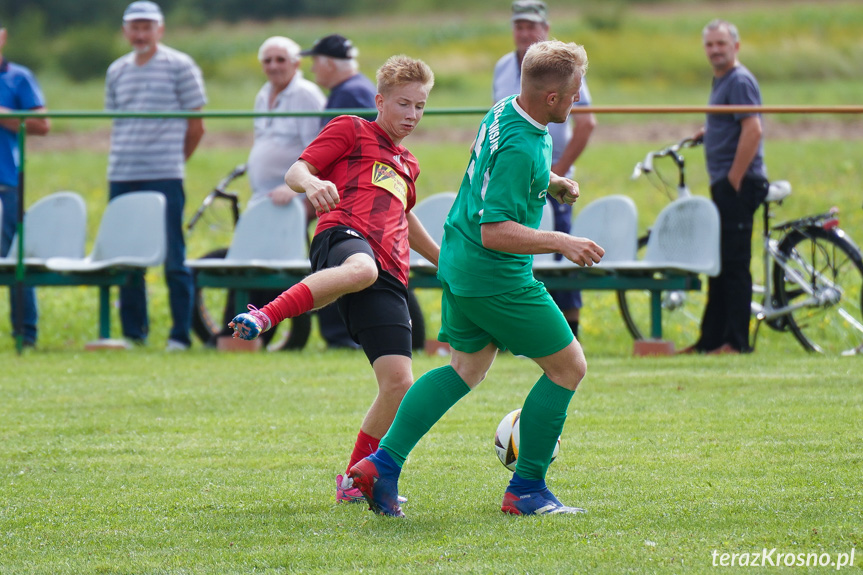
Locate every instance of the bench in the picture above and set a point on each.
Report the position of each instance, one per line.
(131, 238)
(682, 246)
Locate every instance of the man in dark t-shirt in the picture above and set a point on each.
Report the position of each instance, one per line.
(733, 147)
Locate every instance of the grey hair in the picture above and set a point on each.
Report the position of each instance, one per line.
(286, 44)
(717, 24)
(343, 65)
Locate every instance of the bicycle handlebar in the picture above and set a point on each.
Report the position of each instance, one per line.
(646, 165)
(220, 192)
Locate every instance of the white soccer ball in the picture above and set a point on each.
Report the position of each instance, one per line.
(506, 440)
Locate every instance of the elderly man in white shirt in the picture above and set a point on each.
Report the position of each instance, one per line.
(279, 141)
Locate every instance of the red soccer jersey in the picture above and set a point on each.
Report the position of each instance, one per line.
(376, 183)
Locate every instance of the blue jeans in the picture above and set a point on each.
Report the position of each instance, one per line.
(181, 286)
(9, 201)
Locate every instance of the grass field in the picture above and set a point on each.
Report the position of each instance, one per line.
(208, 463)
(149, 463)
(142, 462)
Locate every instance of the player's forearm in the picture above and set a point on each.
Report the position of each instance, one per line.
(420, 240)
(514, 238)
(299, 178)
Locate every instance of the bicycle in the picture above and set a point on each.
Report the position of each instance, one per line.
(812, 271)
(213, 308)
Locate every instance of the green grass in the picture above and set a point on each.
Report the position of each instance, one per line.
(142, 462)
(824, 173)
(211, 463)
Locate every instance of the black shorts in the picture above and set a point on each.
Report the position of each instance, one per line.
(377, 317)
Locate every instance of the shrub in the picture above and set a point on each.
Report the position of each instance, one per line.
(27, 44)
(86, 53)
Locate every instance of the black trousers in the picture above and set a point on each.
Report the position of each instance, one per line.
(729, 295)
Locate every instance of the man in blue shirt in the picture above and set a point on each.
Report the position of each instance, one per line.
(18, 91)
(334, 64)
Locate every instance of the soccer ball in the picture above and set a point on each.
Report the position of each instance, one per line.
(506, 440)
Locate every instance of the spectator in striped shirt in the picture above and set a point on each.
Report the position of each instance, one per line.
(150, 154)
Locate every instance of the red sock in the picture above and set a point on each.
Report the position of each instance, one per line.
(294, 301)
(365, 446)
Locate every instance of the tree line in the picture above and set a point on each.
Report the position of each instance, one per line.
(57, 15)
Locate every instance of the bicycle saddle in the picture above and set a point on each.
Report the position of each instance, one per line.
(778, 191)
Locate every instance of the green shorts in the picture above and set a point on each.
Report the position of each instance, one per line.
(526, 321)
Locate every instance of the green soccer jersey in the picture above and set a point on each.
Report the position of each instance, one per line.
(506, 180)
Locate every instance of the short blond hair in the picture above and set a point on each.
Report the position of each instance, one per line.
(401, 70)
(552, 64)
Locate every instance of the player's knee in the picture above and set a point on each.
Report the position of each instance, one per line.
(396, 386)
(470, 373)
(363, 272)
(569, 378)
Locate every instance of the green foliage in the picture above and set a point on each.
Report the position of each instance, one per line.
(800, 53)
(86, 53)
(607, 15)
(25, 42)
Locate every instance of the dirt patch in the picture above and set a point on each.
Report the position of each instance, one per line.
(808, 129)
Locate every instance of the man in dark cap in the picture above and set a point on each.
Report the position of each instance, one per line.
(334, 64)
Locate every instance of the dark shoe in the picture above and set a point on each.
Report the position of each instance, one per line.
(538, 503)
(691, 350)
(724, 349)
(380, 490)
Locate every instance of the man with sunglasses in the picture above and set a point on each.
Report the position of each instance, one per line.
(279, 141)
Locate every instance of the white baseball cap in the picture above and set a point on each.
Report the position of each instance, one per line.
(143, 10)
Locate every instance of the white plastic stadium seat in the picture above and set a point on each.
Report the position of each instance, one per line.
(432, 213)
(54, 226)
(267, 236)
(685, 237)
(611, 222)
(131, 234)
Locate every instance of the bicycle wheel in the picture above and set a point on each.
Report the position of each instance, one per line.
(214, 307)
(208, 311)
(819, 264)
(681, 312)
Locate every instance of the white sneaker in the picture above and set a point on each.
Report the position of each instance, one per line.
(854, 351)
(174, 345)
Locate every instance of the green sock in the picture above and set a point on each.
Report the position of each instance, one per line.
(425, 402)
(540, 424)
